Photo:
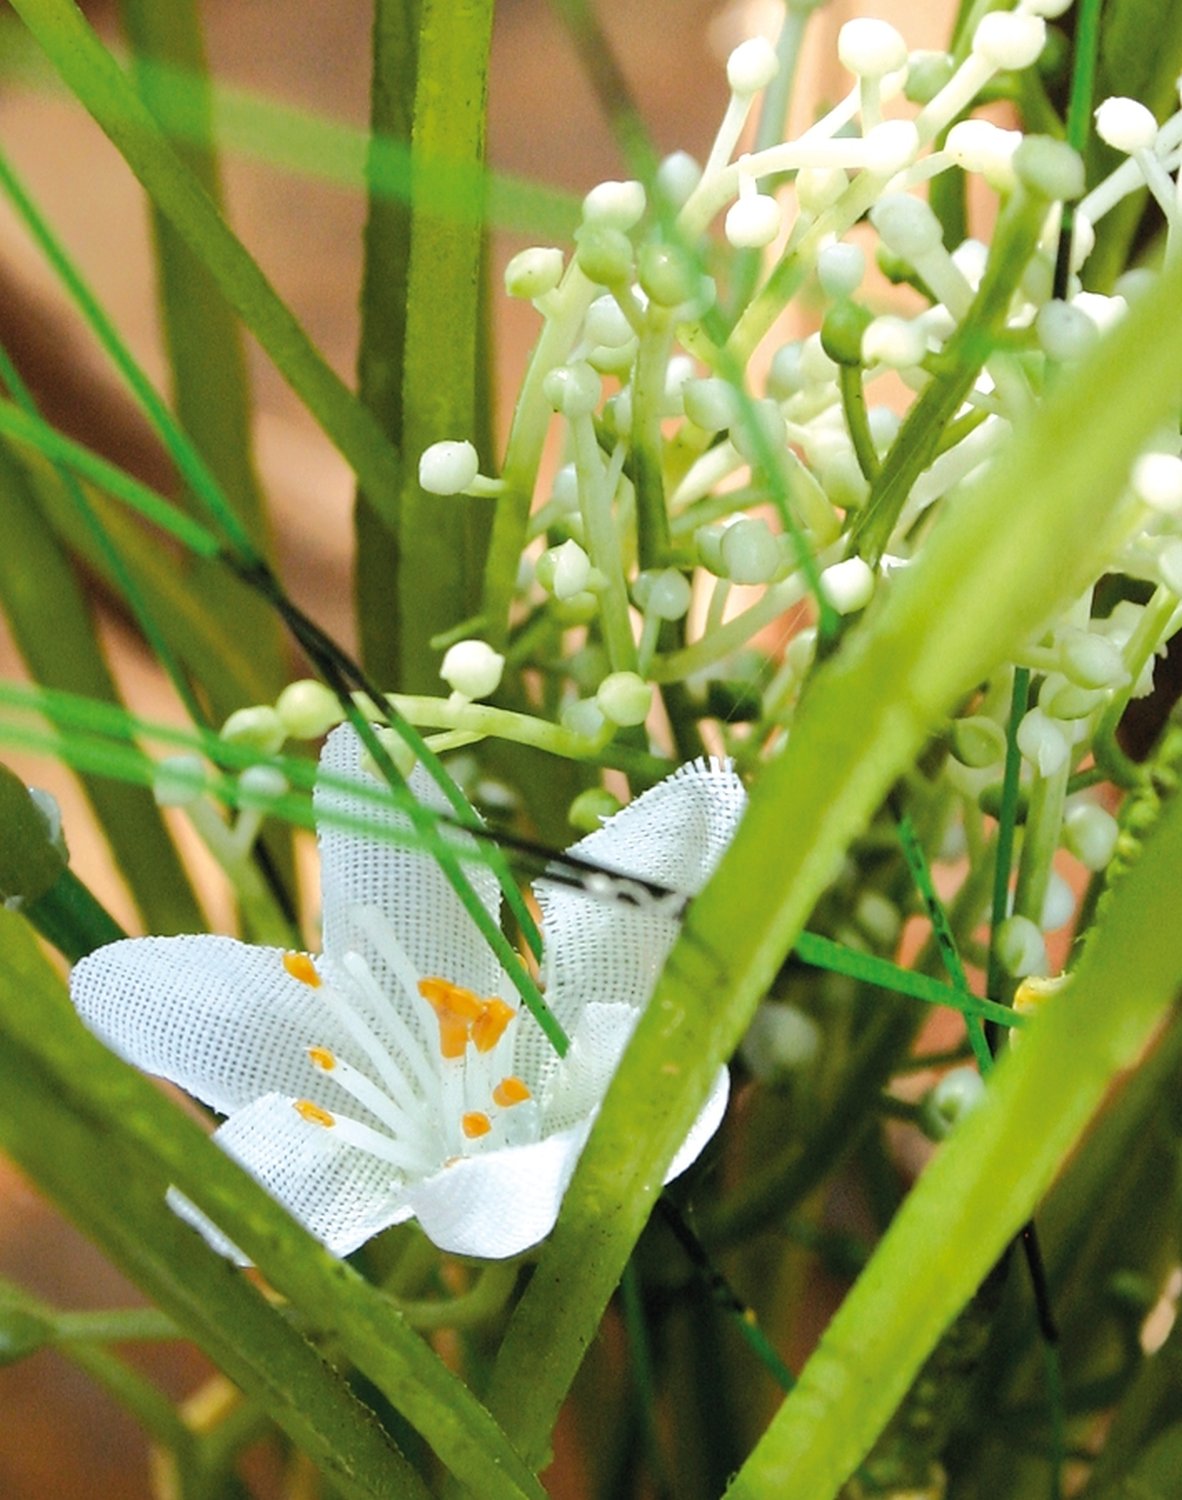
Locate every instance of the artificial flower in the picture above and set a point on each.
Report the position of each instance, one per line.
(396, 1074)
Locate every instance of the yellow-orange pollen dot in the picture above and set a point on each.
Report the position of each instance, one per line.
(464, 1017)
(301, 967)
(323, 1058)
(475, 1124)
(313, 1113)
(511, 1091)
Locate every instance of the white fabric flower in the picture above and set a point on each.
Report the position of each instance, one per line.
(394, 1075)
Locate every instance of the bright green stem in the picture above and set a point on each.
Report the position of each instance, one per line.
(481, 1304)
(857, 420)
(484, 719)
(970, 599)
(441, 541)
(382, 347)
(603, 544)
(648, 394)
(531, 419)
(966, 352)
(102, 87)
(1007, 820)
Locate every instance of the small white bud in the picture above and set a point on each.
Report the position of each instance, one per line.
(1051, 9)
(751, 223)
(260, 786)
(980, 146)
(870, 48)
(1020, 947)
(677, 177)
(848, 585)
(879, 918)
(533, 272)
(1156, 481)
(758, 428)
(884, 427)
(784, 378)
(1065, 332)
(1049, 167)
(472, 669)
(448, 468)
(891, 146)
(574, 390)
(614, 205)
(625, 699)
(1009, 40)
(1042, 742)
(1058, 905)
(957, 1094)
(606, 324)
(906, 225)
(1090, 832)
(665, 594)
(179, 780)
(781, 1039)
(570, 569)
(978, 742)
(1105, 312)
(818, 188)
(1125, 124)
(816, 367)
(1091, 661)
(893, 341)
(565, 491)
(259, 728)
(749, 551)
(840, 268)
(751, 66)
(711, 403)
(308, 709)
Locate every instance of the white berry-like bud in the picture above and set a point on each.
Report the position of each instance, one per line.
(583, 717)
(1105, 312)
(1090, 832)
(758, 429)
(260, 786)
(308, 709)
(677, 177)
(978, 742)
(1067, 701)
(574, 390)
(614, 205)
(749, 551)
(818, 188)
(751, 66)
(1125, 124)
(448, 468)
(1049, 167)
(1008, 39)
(870, 48)
(1157, 481)
(952, 1099)
(606, 324)
(780, 1040)
(892, 341)
(1051, 9)
(906, 225)
(665, 594)
(712, 404)
(1091, 661)
(1020, 947)
(891, 146)
(472, 669)
(848, 585)
(1058, 905)
(1064, 332)
(979, 146)
(625, 699)
(751, 223)
(784, 377)
(179, 780)
(568, 570)
(259, 728)
(840, 269)
(1042, 742)
(533, 272)
(815, 365)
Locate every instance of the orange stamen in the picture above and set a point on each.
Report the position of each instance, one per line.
(474, 1124)
(314, 1114)
(323, 1058)
(489, 1026)
(301, 967)
(441, 994)
(511, 1091)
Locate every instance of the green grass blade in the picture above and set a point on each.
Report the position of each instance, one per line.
(56, 636)
(101, 86)
(1024, 540)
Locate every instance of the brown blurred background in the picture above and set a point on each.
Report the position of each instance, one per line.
(59, 1435)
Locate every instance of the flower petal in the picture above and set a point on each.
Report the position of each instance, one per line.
(501, 1202)
(361, 868)
(700, 1132)
(340, 1194)
(222, 1019)
(673, 835)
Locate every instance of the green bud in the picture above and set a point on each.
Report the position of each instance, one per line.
(590, 808)
(842, 330)
(259, 728)
(978, 742)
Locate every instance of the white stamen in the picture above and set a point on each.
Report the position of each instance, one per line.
(408, 1127)
(409, 1046)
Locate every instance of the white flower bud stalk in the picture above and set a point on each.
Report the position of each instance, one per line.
(472, 669)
